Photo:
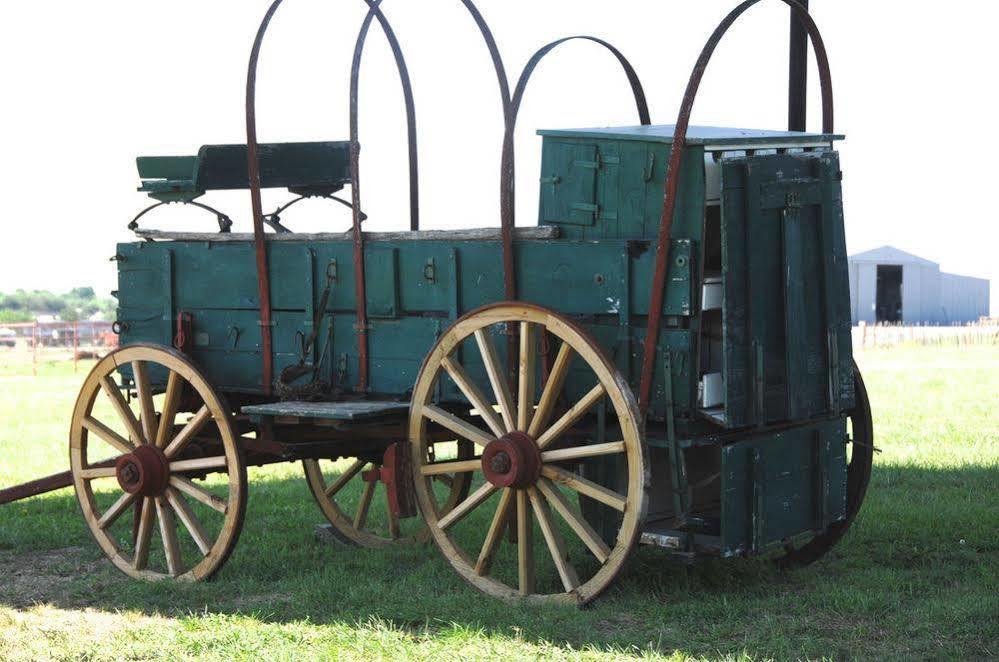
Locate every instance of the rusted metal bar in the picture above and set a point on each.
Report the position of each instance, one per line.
(675, 161)
(636, 84)
(253, 166)
(507, 211)
(508, 169)
(797, 89)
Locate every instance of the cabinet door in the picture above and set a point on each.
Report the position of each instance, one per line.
(787, 351)
(569, 183)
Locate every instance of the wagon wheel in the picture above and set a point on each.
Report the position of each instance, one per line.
(525, 469)
(861, 456)
(348, 498)
(142, 455)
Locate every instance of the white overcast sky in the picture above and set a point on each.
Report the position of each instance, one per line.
(88, 86)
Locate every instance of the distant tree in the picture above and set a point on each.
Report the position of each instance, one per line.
(83, 293)
(8, 316)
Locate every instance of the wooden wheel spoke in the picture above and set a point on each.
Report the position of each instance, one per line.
(553, 387)
(189, 431)
(361, 518)
(495, 534)
(204, 496)
(145, 394)
(474, 395)
(122, 409)
(501, 389)
(199, 464)
(94, 473)
(581, 452)
(580, 526)
(572, 416)
(345, 478)
(145, 534)
(168, 532)
(585, 487)
(189, 520)
(459, 467)
(525, 544)
(468, 505)
(527, 377)
(112, 514)
(171, 403)
(463, 429)
(570, 580)
(109, 436)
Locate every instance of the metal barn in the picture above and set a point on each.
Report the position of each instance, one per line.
(890, 286)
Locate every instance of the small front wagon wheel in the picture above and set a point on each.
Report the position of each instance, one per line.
(532, 437)
(139, 455)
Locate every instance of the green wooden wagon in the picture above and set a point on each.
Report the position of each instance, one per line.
(664, 358)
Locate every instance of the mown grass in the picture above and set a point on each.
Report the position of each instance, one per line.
(917, 577)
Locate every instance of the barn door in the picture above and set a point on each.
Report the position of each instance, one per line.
(787, 349)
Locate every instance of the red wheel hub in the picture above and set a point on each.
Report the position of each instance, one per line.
(513, 460)
(144, 471)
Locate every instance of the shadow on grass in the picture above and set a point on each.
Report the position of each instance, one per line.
(280, 573)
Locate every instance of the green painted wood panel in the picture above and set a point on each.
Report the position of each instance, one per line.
(776, 486)
(786, 307)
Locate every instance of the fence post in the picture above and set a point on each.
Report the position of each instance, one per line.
(76, 344)
(34, 348)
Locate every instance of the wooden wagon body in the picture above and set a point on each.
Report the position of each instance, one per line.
(729, 421)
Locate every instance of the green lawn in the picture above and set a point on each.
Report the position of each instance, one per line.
(917, 577)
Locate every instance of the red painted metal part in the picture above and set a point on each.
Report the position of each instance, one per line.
(185, 328)
(144, 471)
(513, 460)
(397, 475)
(676, 156)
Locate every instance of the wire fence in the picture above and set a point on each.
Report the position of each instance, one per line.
(985, 332)
(48, 342)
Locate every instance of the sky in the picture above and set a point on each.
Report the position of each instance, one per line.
(87, 87)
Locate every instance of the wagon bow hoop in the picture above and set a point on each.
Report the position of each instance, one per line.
(676, 157)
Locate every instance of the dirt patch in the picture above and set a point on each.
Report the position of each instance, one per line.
(620, 623)
(43, 577)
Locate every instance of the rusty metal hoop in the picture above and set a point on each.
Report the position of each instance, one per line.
(508, 169)
(263, 277)
(253, 167)
(676, 160)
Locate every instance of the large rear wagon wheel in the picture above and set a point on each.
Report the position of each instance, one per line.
(860, 460)
(530, 450)
(138, 456)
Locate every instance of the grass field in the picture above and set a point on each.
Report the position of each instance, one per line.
(917, 577)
